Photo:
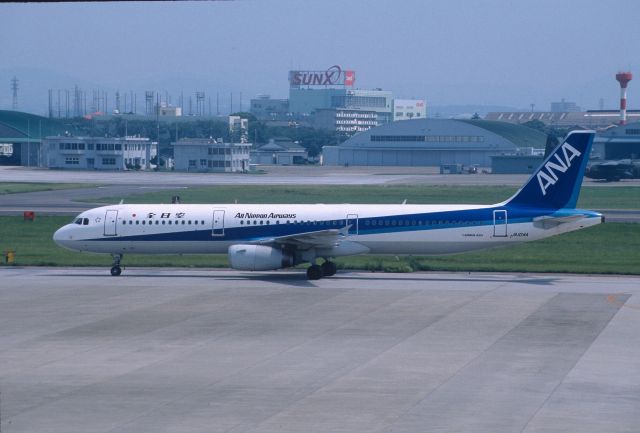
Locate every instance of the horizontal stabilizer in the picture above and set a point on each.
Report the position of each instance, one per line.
(549, 221)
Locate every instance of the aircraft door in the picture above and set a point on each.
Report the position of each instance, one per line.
(111, 223)
(218, 223)
(500, 223)
(352, 223)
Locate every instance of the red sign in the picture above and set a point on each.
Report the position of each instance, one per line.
(349, 78)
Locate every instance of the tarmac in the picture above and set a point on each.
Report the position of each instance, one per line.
(178, 350)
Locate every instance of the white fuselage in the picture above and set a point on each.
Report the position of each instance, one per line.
(381, 229)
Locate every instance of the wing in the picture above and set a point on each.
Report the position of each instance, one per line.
(321, 238)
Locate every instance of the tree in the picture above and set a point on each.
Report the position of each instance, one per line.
(536, 124)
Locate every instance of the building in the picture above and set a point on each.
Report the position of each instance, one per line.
(169, 111)
(564, 106)
(304, 102)
(407, 109)
(24, 132)
(238, 129)
(266, 108)
(331, 101)
(433, 142)
(591, 119)
(618, 142)
(279, 152)
(208, 155)
(345, 121)
(99, 153)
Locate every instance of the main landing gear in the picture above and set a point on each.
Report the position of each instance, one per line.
(327, 269)
(115, 269)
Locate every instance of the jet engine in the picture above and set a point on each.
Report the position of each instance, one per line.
(259, 258)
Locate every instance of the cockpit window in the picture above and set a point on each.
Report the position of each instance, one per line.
(85, 222)
(81, 221)
(78, 221)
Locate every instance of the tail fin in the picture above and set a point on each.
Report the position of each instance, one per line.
(556, 183)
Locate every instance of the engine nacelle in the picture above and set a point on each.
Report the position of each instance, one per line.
(259, 258)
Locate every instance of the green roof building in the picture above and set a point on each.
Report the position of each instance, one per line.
(434, 142)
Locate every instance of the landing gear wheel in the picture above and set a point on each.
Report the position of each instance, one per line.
(329, 268)
(115, 269)
(314, 272)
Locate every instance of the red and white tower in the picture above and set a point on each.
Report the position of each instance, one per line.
(623, 78)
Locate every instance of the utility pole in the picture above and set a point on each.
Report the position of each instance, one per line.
(14, 91)
(157, 134)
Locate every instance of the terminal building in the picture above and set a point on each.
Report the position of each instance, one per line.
(209, 155)
(99, 153)
(434, 142)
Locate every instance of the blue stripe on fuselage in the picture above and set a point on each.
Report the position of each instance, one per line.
(370, 225)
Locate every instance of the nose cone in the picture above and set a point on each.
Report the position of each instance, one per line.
(63, 237)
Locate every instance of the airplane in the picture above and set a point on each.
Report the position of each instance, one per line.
(261, 237)
(614, 170)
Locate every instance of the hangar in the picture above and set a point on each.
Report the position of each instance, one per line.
(618, 142)
(24, 132)
(434, 142)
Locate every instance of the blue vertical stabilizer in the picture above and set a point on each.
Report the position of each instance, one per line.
(556, 183)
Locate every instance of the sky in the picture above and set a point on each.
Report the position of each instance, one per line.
(475, 52)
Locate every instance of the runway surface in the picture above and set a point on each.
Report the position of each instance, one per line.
(223, 351)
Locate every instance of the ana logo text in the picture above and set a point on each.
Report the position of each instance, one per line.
(547, 176)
